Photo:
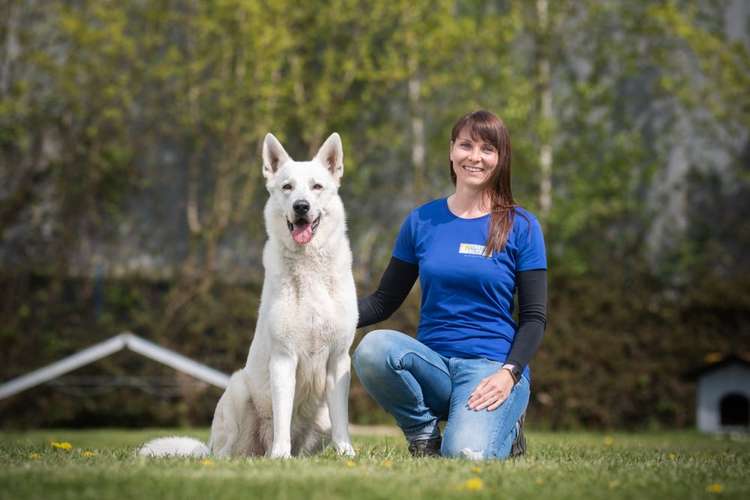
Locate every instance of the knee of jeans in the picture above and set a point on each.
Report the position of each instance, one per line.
(452, 450)
(371, 355)
(469, 442)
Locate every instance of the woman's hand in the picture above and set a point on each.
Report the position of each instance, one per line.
(492, 391)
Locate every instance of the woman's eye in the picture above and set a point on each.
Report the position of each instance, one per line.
(317, 187)
(286, 187)
(488, 149)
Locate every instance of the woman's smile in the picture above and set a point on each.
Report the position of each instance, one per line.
(473, 169)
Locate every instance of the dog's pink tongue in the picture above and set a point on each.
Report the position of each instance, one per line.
(302, 234)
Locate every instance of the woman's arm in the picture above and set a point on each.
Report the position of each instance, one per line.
(532, 317)
(394, 286)
(532, 307)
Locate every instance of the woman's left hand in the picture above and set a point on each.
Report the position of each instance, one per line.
(491, 391)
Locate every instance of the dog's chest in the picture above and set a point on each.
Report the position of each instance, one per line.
(309, 312)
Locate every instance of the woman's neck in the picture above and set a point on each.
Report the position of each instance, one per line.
(469, 204)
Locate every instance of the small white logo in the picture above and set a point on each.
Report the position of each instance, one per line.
(470, 249)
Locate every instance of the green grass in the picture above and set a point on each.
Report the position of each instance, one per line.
(558, 465)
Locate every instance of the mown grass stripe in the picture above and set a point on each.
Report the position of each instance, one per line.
(558, 465)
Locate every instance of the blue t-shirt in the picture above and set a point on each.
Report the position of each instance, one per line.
(467, 298)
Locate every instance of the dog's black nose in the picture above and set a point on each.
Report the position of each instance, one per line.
(301, 207)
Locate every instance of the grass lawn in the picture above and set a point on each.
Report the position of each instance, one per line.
(101, 464)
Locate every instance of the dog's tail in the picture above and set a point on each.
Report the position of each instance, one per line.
(174, 446)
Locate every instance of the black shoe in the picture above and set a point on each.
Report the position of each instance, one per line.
(518, 447)
(425, 447)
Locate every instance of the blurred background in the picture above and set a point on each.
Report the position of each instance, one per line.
(131, 189)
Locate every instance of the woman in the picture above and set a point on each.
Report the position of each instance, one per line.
(469, 362)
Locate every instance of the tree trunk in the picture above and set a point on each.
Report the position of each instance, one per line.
(545, 109)
(12, 47)
(417, 128)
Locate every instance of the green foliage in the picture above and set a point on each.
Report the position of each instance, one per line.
(54, 318)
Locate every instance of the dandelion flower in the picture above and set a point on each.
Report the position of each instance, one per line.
(62, 445)
(207, 462)
(609, 440)
(35, 456)
(351, 463)
(614, 484)
(539, 481)
(474, 484)
(714, 488)
(387, 463)
(713, 357)
(476, 470)
(672, 456)
(88, 453)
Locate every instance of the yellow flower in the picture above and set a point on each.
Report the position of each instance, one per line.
(351, 463)
(614, 484)
(387, 463)
(35, 456)
(476, 470)
(539, 481)
(672, 456)
(713, 357)
(207, 462)
(609, 440)
(62, 445)
(87, 453)
(474, 484)
(714, 488)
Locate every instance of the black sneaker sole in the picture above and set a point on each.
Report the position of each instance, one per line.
(425, 447)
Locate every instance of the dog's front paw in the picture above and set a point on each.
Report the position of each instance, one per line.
(280, 451)
(345, 448)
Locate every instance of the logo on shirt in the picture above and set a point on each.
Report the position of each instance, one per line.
(471, 249)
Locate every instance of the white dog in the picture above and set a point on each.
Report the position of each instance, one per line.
(291, 397)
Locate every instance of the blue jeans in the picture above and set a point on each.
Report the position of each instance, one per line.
(419, 387)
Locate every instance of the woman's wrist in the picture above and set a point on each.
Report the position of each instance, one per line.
(514, 372)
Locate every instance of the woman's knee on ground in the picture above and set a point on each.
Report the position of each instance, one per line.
(455, 447)
(473, 444)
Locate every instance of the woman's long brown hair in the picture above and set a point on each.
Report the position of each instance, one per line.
(491, 129)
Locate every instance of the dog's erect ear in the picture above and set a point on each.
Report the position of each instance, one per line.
(331, 155)
(274, 156)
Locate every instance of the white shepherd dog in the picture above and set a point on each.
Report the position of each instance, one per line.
(291, 397)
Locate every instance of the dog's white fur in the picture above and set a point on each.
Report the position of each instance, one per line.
(291, 397)
(174, 446)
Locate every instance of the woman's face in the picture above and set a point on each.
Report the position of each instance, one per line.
(473, 160)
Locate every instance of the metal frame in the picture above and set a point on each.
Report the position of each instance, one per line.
(125, 340)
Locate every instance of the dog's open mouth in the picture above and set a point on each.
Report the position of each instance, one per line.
(302, 229)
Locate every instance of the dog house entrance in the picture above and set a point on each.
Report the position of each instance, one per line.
(735, 410)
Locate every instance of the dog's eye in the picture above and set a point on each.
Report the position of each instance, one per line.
(286, 187)
(317, 187)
